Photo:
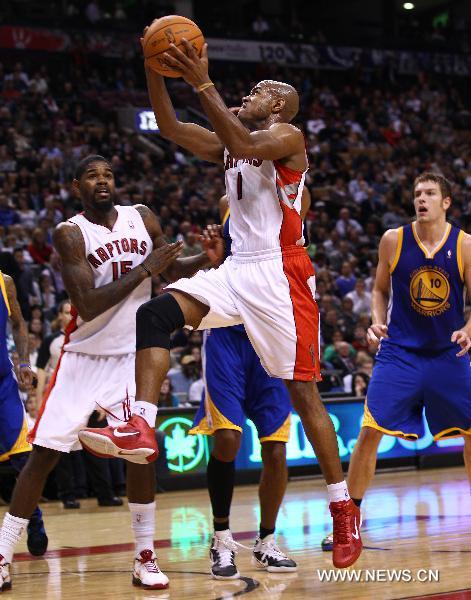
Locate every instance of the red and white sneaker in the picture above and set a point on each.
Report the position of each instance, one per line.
(5, 578)
(347, 539)
(146, 572)
(134, 441)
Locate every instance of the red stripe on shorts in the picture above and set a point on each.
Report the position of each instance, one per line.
(298, 268)
(71, 327)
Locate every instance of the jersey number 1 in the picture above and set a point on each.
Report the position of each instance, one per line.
(239, 186)
(119, 271)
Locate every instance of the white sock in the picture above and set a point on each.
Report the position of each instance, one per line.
(146, 410)
(10, 534)
(338, 491)
(223, 533)
(143, 525)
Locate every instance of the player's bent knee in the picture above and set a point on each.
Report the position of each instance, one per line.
(156, 320)
(226, 444)
(370, 436)
(274, 454)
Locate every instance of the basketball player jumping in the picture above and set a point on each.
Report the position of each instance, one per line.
(422, 272)
(267, 284)
(108, 254)
(236, 387)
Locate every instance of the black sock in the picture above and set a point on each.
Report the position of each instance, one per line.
(357, 501)
(264, 532)
(221, 525)
(220, 478)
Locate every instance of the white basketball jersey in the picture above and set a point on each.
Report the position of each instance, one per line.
(111, 254)
(265, 202)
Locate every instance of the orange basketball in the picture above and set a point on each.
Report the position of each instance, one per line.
(165, 31)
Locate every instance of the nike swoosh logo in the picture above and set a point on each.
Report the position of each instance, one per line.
(356, 533)
(119, 434)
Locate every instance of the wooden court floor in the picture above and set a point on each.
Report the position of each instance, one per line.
(414, 521)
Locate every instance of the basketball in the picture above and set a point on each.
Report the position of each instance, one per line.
(165, 31)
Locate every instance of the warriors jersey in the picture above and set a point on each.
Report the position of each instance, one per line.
(111, 254)
(427, 291)
(265, 201)
(5, 363)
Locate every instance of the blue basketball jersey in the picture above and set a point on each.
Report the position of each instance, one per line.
(427, 300)
(5, 363)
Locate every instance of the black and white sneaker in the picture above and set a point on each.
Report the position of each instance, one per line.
(222, 556)
(266, 555)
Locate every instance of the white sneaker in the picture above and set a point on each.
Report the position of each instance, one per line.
(146, 572)
(266, 555)
(5, 578)
(222, 556)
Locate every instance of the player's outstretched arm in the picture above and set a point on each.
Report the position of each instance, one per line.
(20, 334)
(280, 141)
(462, 336)
(184, 267)
(199, 141)
(380, 293)
(78, 276)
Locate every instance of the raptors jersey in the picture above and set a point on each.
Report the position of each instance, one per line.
(111, 254)
(265, 203)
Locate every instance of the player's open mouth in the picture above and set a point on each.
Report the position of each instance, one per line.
(423, 210)
(102, 193)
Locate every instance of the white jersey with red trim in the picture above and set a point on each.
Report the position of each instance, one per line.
(265, 202)
(111, 254)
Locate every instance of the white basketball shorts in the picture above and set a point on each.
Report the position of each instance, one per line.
(79, 383)
(273, 294)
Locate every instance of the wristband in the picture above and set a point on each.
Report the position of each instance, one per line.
(145, 269)
(203, 86)
(25, 365)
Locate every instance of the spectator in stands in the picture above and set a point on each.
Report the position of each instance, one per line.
(167, 398)
(345, 282)
(343, 359)
(8, 214)
(39, 250)
(345, 224)
(356, 383)
(191, 246)
(360, 297)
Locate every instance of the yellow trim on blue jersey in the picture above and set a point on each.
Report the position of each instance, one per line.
(226, 216)
(454, 431)
(216, 420)
(437, 248)
(21, 445)
(4, 293)
(459, 254)
(369, 421)
(281, 434)
(400, 237)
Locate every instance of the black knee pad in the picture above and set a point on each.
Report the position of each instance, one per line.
(156, 320)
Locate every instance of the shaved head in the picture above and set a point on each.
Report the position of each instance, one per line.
(285, 92)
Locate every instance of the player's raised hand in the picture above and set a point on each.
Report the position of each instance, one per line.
(375, 332)
(193, 68)
(463, 340)
(160, 258)
(213, 244)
